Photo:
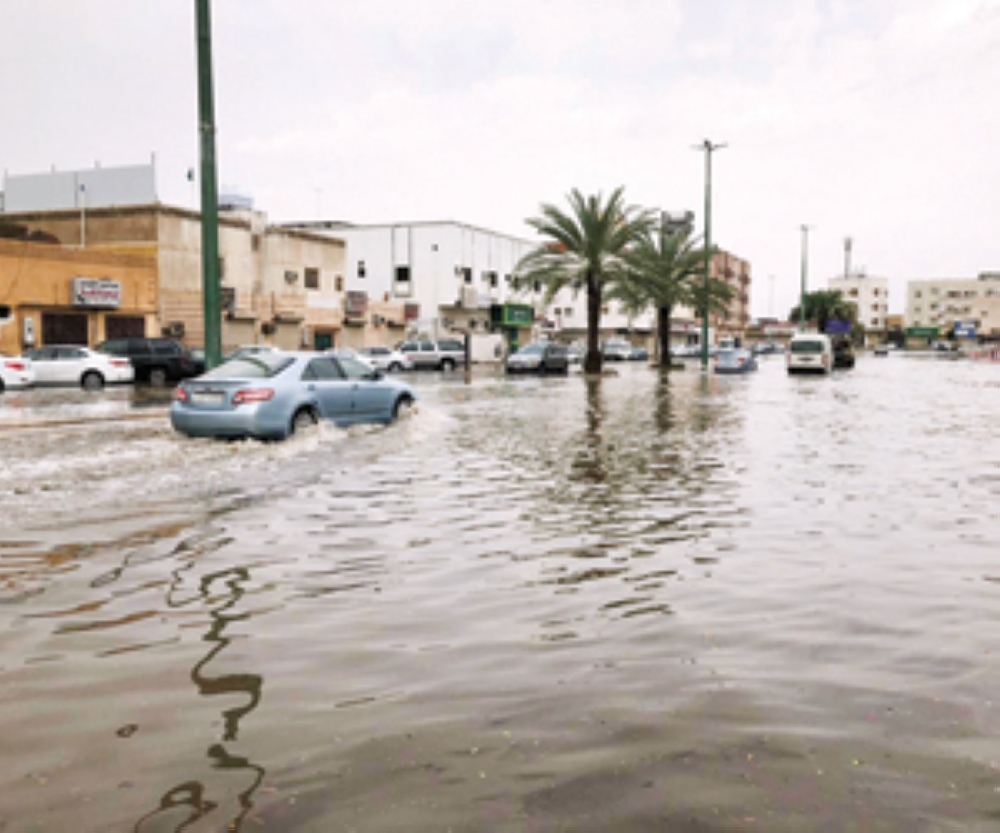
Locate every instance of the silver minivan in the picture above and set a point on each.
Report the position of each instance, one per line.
(809, 353)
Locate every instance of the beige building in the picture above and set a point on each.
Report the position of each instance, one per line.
(735, 273)
(279, 286)
(942, 303)
(57, 294)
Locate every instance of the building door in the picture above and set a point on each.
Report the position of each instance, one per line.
(124, 326)
(64, 328)
(322, 341)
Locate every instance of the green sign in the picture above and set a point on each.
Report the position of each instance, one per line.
(922, 332)
(512, 315)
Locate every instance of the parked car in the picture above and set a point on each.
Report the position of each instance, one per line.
(639, 354)
(843, 353)
(809, 353)
(543, 357)
(574, 355)
(245, 350)
(385, 358)
(156, 360)
(616, 350)
(16, 372)
(272, 395)
(70, 364)
(437, 355)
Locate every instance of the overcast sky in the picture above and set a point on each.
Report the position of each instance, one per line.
(874, 119)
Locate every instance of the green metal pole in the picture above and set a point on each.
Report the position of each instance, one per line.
(708, 147)
(708, 254)
(211, 295)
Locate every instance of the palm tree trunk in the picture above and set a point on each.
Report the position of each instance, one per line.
(663, 334)
(592, 362)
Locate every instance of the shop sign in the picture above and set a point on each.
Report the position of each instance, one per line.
(356, 304)
(922, 332)
(966, 329)
(512, 315)
(96, 292)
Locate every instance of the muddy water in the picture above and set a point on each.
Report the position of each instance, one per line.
(537, 604)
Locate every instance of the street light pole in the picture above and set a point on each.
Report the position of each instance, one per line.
(805, 268)
(211, 294)
(707, 147)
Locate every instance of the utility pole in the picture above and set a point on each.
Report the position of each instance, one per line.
(707, 147)
(847, 257)
(211, 294)
(805, 268)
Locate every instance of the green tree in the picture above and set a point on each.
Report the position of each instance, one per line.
(666, 270)
(584, 249)
(825, 305)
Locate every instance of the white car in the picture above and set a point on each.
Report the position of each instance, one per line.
(348, 353)
(16, 372)
(70, 364)
(385, 358)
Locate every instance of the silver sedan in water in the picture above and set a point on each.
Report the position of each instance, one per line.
(272, 395)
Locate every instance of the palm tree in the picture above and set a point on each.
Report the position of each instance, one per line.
(825, 305)
(585, 249)
(664, 272)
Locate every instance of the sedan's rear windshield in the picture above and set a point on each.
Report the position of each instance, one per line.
(807, 346)
(257, 366)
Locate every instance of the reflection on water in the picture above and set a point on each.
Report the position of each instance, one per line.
(650, 601)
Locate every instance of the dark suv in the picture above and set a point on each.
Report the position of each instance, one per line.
(156, 360)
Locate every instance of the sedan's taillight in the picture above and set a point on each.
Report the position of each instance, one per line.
(244, 397)
(181, 395)
(15, 365)
(120, 362)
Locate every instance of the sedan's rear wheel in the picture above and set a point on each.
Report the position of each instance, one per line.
(92, 380)
(158, 377)
(395, 367)
(304, 419)
(447, 364)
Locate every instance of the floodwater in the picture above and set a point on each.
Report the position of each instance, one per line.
(643, 602)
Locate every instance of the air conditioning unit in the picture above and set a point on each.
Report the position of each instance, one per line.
(378, 320)
(175, 329)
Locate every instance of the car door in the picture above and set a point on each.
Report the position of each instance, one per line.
(333, 394)
(43, 359)
(70, 364)
(370, 398)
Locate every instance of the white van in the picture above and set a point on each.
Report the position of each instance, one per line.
(809, 353)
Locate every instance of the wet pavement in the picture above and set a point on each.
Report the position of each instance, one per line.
(643, 602)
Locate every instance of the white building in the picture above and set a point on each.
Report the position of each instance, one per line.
(870, 297)
(455, 277)
(942, 303)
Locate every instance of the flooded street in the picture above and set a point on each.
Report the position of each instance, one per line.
(642, 602)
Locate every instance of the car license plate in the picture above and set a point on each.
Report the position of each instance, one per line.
(207, 398)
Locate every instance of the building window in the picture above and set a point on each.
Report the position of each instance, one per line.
(537, 286)
(853, 293)
(255, 242)
(403, 274)
(338, 283)
(222, 268)
(467, 274)
(311, 277)
(568, 312)
(361, 268)
(506, 278)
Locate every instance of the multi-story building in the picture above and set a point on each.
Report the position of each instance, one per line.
(940, 306)
(870, 298)
(735, 273)
(278, 285)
